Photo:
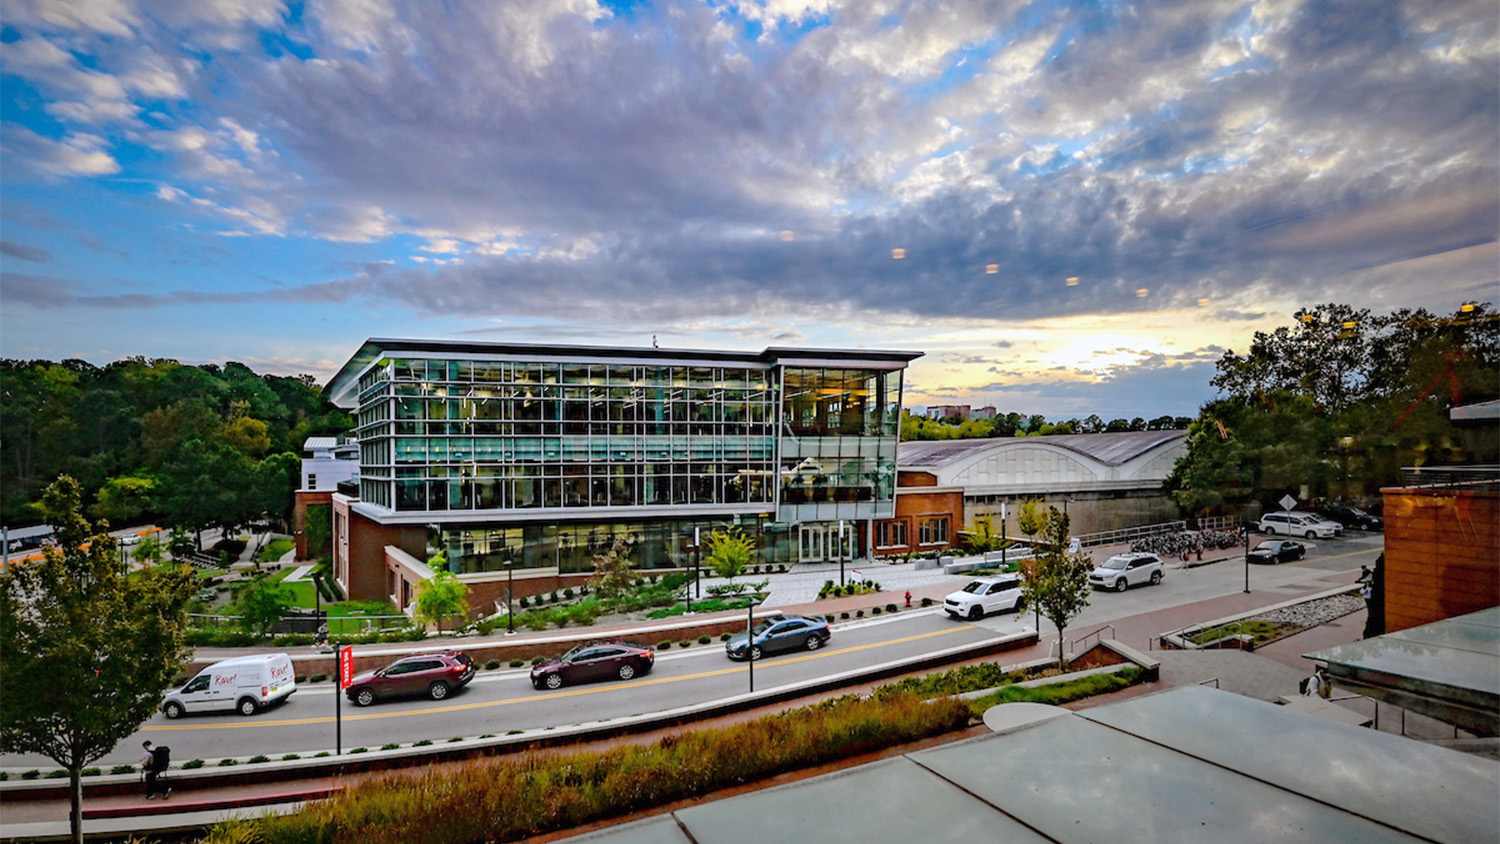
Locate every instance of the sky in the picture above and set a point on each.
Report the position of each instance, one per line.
(1071, 208)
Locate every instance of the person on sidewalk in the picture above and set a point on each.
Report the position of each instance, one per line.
(152, 766)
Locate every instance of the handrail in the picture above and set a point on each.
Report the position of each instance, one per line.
(1110, 627)
(1126, 535)
(1214, 680)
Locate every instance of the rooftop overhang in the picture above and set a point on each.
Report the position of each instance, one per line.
(342, 390)
(1448, 670)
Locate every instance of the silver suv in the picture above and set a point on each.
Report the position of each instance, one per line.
(1121, 572)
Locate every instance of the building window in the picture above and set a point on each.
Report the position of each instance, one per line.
(890, 534)
(312, 481)
(934, 531)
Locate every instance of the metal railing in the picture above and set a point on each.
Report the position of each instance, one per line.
(1094, 635)
(1124, 536)
(1450, 476)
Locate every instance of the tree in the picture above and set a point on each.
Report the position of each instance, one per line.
(613, 576)
(106, 643)
(123, 498)
(1054, 581)
(728, 552)
(150, 550)
(1033, 517)
(262, 603)
(441, 597)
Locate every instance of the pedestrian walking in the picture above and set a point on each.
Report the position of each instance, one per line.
(153, 763)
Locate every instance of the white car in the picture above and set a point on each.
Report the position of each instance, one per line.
(1298, 523)
(984, 596)
(1126, 570)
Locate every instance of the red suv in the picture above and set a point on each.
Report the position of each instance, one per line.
(434, 675)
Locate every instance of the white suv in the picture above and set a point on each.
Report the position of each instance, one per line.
(985, 595)
(1298, 523)
(1121, 572)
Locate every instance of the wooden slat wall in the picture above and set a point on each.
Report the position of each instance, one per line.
(1442, 555)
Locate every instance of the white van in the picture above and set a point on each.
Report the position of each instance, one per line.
(246, 684)
(1298, 523)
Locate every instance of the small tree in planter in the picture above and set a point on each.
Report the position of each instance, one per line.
(1055, 582)
(729, 553)
(442, 597)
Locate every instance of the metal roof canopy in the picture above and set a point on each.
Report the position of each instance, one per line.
(340, 389)
(1190, 764)
(1111, 449)
(1449, 670)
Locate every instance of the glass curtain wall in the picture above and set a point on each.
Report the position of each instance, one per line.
(838, 443)
(472, 435)
(571, 547)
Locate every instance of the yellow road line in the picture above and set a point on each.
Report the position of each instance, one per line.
(588, 690)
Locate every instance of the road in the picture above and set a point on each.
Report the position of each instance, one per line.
(501, 701)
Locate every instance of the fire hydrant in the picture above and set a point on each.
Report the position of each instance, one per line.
(908, 598)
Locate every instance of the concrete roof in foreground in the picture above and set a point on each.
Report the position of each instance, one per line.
(1190, 764)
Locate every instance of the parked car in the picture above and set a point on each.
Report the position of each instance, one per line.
(435, 675)
(1299, 523)
(787, 633)
(594, 661)
(985, 595)
(245, 684)
(1125, 570)
(1277, 551)
(1350, 517)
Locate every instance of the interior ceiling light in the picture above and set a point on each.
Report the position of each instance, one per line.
(787, 235)
(1072, 281)
(1142, 293)
(1202, 303)
(898, 253)
(992, 269)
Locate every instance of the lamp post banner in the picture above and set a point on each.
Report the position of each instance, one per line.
(346, 667)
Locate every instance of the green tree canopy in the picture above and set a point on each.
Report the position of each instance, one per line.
(105, 644)
(729, 552)
(262, 603)
(440, 598)
(1054, 581)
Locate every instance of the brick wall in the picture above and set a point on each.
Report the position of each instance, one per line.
(1442, 554)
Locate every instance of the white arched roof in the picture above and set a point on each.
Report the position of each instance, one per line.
(1081, 462)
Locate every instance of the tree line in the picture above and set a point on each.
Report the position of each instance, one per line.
(1020, 425)
(1335, 404)
(191, 447)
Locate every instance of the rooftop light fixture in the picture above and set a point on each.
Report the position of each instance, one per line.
(787, 236)
(1202, 303)
(898, 253)
(1142, 293)
(1467, 307)
(991, 269)
(1072, 281)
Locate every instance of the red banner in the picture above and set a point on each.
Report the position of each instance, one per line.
(346, 667)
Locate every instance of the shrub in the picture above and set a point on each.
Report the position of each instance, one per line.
(538, 660)
(31, 774)
(360, 750)
(228, 763)
(192, 764)
(390, 746)
(321, 753)
(257, 759)
(90, 772)
(563, 791)
(299, 680)
(455, 738)
(513, 732)
(926, 602)
(684, 643)
(488, 735)
(524, 602)
(875, 610)
(4, 775)
(859, 613)
(491, 665)
(828, 618)
(57, 774)
(122, 769)
(423, 743)
(892, 608)
(703, 640)
(318, 678)
(664, 644)
(724, 637)
(844, 616)
(568, 592)
(291, 757)
(517, 663)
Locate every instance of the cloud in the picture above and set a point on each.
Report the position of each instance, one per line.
(25, 253)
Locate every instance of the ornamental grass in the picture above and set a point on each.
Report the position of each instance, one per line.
(516, 797)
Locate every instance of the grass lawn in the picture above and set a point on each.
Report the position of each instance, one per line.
(273, 550)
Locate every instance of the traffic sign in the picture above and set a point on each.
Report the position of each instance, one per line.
(1287, 502)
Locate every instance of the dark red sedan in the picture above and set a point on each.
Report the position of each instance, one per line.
(593, 661)
(434, 675)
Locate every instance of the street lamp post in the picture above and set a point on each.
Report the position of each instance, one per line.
(510, 595)
(1245, 532)
(841, 552)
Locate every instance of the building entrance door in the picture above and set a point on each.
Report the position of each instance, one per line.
(820, 543)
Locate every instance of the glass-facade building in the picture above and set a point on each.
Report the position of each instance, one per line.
(542, 455)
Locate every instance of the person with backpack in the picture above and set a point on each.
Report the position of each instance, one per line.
(153, 764)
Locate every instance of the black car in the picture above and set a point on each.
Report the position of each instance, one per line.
(1277, 551)
(594, 661)
(787, 633)
(1350, 517)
